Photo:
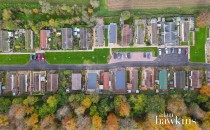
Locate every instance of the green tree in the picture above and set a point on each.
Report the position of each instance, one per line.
(4, 104)
(18, 100)
(138, 104)
(10, 25)
(105, 106)
(156, 104)
(202, 99)
(125, 15)
(93, 110)
(94, 98)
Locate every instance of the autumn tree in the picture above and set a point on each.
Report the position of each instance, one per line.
(17, 111)
(191, 126)
(4, 120)
(125, 15)
(32, 121)
(97, 122)
(177, 106)
(83, 123)
(61, 112)
(86, 102)
(121, 106)
(7, 14)
(127, 124)
(94, 98)
(30, 100)
(94, 3)
(197, 112)
(69, 122)
(112, 122)
(48, 123)
(203, 20)
(80, 110)
(205, 90)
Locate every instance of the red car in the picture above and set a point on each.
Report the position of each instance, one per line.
(39, 57)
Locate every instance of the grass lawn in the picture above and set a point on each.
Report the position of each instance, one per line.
(108, 20)
(184, 43)
(98, 56)
(148, 13)
(14, 59)
(145, 49)
(197, 52)
(106, 37)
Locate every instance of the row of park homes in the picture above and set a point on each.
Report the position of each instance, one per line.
(173, 31)
(113, 81)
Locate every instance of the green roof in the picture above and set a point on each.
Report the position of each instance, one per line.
(163, 79)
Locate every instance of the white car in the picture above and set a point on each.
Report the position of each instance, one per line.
(159, 51)
(179, 51)
(166, 50)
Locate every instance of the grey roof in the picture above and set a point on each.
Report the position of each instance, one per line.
(135, 79)
(186, 31)
(120, 80)
(4, 41)
(112, 33)
(76, 81)
(100, 34)
(154, 34)
(179, 79)
(170, 33)
(67, 38)
(83, 38)
(92, 80)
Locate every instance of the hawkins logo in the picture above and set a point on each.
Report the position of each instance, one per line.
(169, 118)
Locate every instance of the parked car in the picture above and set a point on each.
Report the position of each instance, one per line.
(179, 51)
(33, 56)
(38, 56)
(119, 56)
(128, 55)
(159, 52)
(186, 51)
(43, 57)
(115, 55)
(172, 50)
(148, 55)
(145, 54)
(166, 49)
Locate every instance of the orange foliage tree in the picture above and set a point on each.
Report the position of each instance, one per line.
(69, 122)
(97, 122)
(205, 90)
(112, 122)
(32, 121)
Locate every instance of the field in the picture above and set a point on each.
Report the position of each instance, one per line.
(136, 4)
(104, 10)
(98, 56)
(53, 2)
(197, 52)
(14, 59)
(145, 49)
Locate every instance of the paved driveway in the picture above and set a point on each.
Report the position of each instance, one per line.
(135, 56)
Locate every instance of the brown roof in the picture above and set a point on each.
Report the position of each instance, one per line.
(43, 39)
(11, 82)
(76, 81)
(52, 82)
(148, 80)
(126, 35)
(196, 78)
(135, 79)
(106, 80)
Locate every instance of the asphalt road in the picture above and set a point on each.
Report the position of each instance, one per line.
(162, 61)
